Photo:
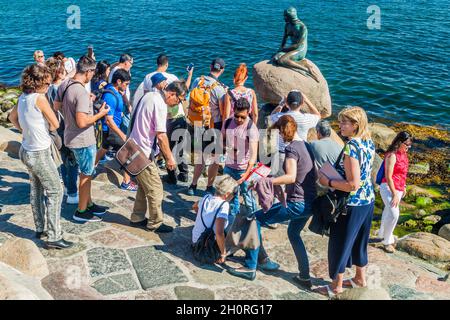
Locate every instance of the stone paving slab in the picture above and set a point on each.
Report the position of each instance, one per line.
(105, 261)
(192, 293)
(116, 284)
(154, 269)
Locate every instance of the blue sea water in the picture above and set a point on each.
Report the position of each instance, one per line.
(399, 72)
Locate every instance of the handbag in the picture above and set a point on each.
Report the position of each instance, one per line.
(130, 156)
(328, 207)
(243, 234)
(206, 250)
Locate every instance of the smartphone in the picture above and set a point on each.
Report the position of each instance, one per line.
(189, 67)
(90, 51)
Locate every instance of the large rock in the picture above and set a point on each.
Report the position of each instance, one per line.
(272, 83)
(444, 232)
(364, 294)
(427, 246)
(382, 135)
(15, 285)
(24, 255)
(10, 141)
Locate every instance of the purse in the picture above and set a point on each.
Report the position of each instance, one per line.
(243, 234)
(206, 250)
(328, 207)
(130, 156)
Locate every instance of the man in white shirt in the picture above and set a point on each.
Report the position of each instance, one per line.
(176, 119)
(149, 131)
(305, 121)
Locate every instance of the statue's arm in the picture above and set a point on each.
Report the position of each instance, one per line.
(300, 41)
(285, 37)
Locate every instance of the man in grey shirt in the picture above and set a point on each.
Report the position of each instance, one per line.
(325, 149)
(79, 133)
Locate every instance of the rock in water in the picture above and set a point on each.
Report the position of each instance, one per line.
(444, 232)
(427, 246)
(382, 135)
(24, 255)
(272, 83)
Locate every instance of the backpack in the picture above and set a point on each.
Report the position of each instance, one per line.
(98, 126)
(380, 174)
(199, 111)
(206, 250)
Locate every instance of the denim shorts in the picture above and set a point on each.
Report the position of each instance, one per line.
(86, 159)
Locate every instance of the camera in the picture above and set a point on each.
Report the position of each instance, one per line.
(98, 102)
(189, 67)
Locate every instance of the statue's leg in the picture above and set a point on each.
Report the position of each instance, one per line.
(288, 61)
(310, 69)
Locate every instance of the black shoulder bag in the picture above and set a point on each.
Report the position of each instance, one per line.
(328, 207)
(206, 250)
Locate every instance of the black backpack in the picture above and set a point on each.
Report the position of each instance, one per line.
(206, 250)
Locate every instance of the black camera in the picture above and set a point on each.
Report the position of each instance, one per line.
(98, 102)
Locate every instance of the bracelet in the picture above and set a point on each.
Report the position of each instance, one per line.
(329, 183)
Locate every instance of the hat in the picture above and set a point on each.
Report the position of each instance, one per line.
(218, 64)
(157, 78)
(294, 98)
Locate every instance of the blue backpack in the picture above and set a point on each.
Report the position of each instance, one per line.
(380, 174)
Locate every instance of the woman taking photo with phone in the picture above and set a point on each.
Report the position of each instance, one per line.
(393, 187)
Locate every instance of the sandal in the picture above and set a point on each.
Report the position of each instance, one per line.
(325, 291)
(349, 283)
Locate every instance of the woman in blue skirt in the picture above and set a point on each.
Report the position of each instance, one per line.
(349, 236)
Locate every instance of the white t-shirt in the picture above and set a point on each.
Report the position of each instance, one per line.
(211, 205)
(305, 121)
(151, 118)
(148, 86)
(111, 74)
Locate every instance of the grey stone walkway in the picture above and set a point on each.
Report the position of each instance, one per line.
(111, 260)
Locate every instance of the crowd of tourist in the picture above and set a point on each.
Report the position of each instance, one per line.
(75, 115)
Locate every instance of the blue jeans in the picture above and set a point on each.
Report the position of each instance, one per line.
(249, 199)
(86, 159)
(69, 172)
(297, 213)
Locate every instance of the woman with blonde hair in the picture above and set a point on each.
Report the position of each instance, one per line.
(240, 91)
(349, 236)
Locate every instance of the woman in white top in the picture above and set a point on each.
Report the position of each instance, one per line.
(35, 118)
(211, 205)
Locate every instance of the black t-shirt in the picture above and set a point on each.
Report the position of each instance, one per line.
(304, 188)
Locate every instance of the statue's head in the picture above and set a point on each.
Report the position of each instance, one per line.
(290, 14)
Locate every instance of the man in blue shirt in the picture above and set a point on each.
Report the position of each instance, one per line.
(113, 137)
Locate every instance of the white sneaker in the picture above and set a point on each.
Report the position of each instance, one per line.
(72, 200)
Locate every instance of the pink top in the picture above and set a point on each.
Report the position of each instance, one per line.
(237, 144)
(400, 171)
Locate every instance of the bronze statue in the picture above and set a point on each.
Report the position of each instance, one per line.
(293, 56)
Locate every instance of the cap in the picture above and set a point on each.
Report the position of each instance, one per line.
(218, 64)
(294, 98)
(157, 78)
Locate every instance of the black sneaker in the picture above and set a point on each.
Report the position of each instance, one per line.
(163, 229)
(170, 179)
(97, 210)
(86, 216)
(183, 177)
(191, 190)
(211, 190)
(305, 283)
